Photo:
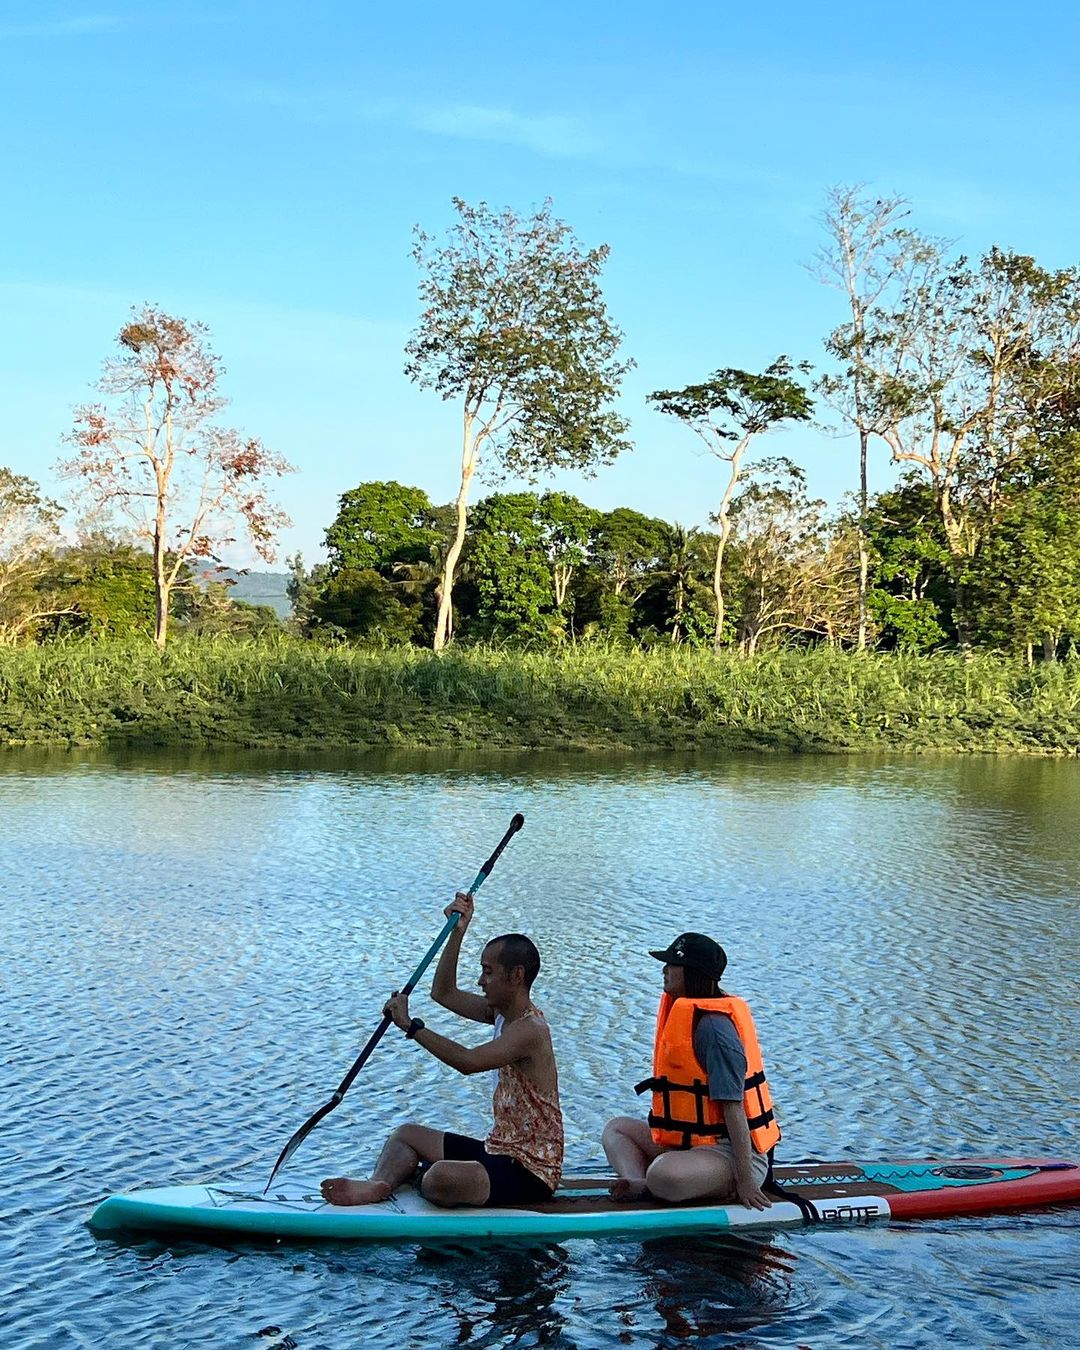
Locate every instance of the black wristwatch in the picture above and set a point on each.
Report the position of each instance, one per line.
(417, 1024)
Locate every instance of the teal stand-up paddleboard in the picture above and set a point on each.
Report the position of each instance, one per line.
(835, 1193)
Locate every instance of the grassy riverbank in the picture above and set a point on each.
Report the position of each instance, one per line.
(289, 694)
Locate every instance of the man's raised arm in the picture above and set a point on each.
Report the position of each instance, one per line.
(444, 987)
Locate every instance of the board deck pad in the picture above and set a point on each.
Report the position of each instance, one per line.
(838, 1193)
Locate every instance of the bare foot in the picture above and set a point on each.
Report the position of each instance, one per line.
(345, 1191)
(625, 1190)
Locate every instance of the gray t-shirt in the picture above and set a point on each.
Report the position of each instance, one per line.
(718, 1048)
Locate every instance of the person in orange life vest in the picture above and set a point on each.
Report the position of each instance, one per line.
(520, 1161)
(713, 1138)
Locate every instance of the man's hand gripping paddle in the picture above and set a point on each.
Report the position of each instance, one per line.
(414, 979)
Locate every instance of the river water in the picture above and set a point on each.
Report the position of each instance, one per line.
(193, 950)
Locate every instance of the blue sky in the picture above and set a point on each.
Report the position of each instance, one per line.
(260, 167)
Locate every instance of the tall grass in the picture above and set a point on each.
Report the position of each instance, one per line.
(284, 692)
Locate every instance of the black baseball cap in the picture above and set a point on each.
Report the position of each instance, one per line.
(697, 951)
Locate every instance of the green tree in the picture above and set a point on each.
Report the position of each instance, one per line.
(727, 412)
(303, 589)
(967, 365)
(421, 578)
(380, 525)
(1025, 586)
(680, 569)
(910, 592)
(626, 552)
(510, 568)
(358, 602)
(102, 587)
(515, 327)
(567, 526)
(675, 601)
(29, 534)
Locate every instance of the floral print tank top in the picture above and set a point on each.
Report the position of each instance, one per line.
(528, 1123)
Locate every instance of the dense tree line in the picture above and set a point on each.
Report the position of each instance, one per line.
(965, 373)
(542, 568)
(547, 568)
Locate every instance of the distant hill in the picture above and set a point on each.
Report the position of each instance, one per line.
(256, 588)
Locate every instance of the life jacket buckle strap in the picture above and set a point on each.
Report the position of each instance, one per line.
(688, 1128)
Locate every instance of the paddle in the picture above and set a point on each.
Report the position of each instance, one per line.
(414, 979)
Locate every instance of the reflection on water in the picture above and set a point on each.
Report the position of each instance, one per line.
(195, 946)
(513, 1294)
(706, 1289)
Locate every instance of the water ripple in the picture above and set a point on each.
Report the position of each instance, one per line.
(195, 950)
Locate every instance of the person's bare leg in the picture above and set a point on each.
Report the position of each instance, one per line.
(630, 1148)
(451, 1183)
(691, 1174)
(407, 1147)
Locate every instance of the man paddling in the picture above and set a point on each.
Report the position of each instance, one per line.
(711, 1130)
(521, 1160)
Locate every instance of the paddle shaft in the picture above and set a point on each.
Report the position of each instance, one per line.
(377, 1035)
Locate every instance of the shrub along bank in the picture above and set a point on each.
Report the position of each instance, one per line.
(292, 694)
(285, 693)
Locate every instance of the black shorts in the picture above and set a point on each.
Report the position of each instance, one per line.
(511, 1182)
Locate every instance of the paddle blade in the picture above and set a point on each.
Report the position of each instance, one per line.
(299, 1137)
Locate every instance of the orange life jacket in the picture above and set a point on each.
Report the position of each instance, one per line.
(683, 1114)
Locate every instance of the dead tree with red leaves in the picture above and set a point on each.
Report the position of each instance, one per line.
(152, 452)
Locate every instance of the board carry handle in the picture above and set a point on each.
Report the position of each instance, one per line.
(377, 1035)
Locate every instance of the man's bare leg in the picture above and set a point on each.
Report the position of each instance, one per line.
(450, 1183)
(403, 1152)
(630, 1148)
